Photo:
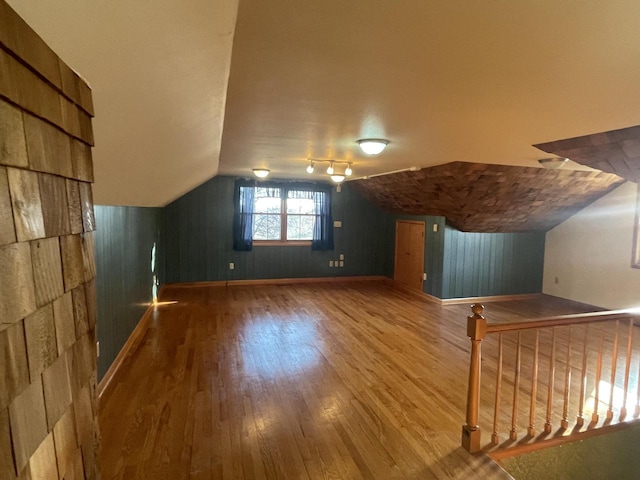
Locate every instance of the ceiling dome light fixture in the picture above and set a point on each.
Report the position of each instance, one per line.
(553, 163)
(372, 146)
(311, 167)
(338, 178)
(261, 172)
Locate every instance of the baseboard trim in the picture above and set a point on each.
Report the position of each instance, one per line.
(458, 301)
(492, 298)
(277, 281)
(128, 349)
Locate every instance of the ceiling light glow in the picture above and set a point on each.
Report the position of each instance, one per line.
(372, 146)
(261, 172)
(330, 169)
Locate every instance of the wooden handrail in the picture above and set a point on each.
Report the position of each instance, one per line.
(573, 319)
(478, 328)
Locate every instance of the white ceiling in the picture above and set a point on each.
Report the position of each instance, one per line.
(158, 71)
(443, 81)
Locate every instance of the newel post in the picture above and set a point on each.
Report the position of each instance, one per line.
(476, 331)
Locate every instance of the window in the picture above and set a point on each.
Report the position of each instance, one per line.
(280, 217)
(282, 214)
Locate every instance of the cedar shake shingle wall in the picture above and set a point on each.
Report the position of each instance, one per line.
(48, 427)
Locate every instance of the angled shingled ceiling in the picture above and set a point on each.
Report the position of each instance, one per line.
(477, 197)
(616, 151)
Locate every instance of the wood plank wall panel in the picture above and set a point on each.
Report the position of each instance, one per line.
(123, 244)
(47, 331)
(199, 242)
(483, 264)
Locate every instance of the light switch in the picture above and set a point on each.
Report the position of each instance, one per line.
(341, 263)
(232, 266)
(331, 263)
(342, 256)
(435, 227)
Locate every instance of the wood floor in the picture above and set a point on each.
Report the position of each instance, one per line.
(312, 381)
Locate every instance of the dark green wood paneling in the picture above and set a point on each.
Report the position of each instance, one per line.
(483, 264)
(199, 240)
(123, 240)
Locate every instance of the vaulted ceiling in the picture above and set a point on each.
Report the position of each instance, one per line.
(445, 84)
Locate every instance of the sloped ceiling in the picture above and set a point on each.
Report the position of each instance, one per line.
(444, 82)
(617, 151)
(159, 73)
(489, 198)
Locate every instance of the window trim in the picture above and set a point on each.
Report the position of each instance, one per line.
(280, 243)
(283, 242)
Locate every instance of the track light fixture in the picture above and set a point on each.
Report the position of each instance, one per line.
(336, 176)
(330, 169)
(348, 171)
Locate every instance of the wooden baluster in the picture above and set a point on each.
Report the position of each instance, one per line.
(513, 435)
(564, 423)
(495, 439)
(552, 379)
(476, 331)
(531, 431)
(596, 401)
(614, 363)
(583, 378)
(627, 371)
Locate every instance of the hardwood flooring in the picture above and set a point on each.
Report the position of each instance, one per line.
(312, 381)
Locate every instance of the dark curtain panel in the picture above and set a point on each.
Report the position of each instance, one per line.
(243, 216)
(323, 227)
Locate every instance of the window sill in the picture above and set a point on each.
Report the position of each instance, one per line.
(280, 243)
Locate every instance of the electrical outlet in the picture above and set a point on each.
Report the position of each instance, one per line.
(342, 256)
(341, 263)
(331, 263)
(337, 223)
(97, 349)
(435, 227)
(424, 276)
(232, 266)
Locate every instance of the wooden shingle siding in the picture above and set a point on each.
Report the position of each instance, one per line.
(476, 197)
(616, 151)
(47, 269)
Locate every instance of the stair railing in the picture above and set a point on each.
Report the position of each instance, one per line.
(563, 355)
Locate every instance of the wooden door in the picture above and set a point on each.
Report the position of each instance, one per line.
(409, 264)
